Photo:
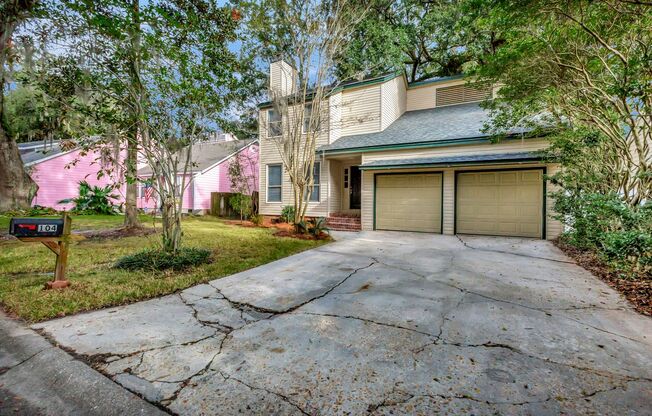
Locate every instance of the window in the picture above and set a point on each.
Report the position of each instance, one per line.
(316, 176)
(346, 178)
(274, 179)
(274, 123)
(307, 113)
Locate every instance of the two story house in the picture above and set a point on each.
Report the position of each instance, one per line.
(406, 156)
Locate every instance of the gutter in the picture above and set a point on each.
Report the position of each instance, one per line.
(452, 165)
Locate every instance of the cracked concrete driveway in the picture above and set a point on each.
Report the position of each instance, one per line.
(382, 323)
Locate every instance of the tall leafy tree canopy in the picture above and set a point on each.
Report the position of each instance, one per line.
(423, 38)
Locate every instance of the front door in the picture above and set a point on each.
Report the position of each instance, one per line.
(355, 188)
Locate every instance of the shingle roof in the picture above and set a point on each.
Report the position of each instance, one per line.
(453, 160)
(33, 156)
(205, 155)
(443, 124)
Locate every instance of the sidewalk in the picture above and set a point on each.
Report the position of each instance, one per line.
(37, 378)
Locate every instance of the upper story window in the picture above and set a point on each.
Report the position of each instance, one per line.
(274, 123)
(316, 123)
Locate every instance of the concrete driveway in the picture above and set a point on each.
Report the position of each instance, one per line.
(382, 323)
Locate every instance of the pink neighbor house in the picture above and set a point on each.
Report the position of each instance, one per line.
(209, 173)
(52, 168)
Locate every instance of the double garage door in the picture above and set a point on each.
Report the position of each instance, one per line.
(508, 203)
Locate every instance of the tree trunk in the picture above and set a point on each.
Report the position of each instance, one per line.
(17, 189)
(131, 197)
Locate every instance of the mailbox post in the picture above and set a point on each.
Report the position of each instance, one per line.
(54, 234)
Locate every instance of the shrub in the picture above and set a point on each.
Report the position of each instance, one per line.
(287, 214)
(242, 204)
(317, 226)
(157, 259)
(256, 219)
(617, 232)
(93, 200)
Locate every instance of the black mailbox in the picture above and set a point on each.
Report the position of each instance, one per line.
(36, 227)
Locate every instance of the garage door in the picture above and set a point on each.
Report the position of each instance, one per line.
(508, 203)
(409, 202)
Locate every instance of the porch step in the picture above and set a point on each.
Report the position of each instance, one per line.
(344, 223)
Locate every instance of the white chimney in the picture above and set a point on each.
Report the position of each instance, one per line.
(282, 79)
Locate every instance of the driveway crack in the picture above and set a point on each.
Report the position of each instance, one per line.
(243, 306)
(467, 245)
(279, 395)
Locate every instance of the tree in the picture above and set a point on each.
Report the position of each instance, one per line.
(106, 39)
(422, 38)
(17, 189)
(309, 36)
(582, 67)
(242, 175)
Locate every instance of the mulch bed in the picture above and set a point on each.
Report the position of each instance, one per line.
(292, 234)
(638, 291)
(284, 229)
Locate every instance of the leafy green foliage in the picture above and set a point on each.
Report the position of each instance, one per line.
(256, 219)
(287, 213)
(242, 204)
(35, 211)
(93, 200)
(157, 259)
(620, 234)
(317, 226)
(422, 38)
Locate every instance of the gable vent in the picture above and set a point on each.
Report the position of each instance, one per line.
(458, 94)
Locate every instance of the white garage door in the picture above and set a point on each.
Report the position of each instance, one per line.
(409, 202)
(508, 203)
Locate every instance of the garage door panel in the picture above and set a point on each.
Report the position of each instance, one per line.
(410, 202)
(500, 203)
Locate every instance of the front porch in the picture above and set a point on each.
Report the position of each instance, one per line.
(345, 204)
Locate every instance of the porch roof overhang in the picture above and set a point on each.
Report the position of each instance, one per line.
(451, 161)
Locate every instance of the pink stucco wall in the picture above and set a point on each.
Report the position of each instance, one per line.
(57, 179)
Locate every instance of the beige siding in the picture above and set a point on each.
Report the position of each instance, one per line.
(448, 227)
(393, 101)
(269, 154)
(334, 117)
(361, 110)
(554, 228)
(504, 146)
(424, 96)
(367, 200)
(282, 78)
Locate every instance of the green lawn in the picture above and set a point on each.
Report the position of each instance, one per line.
(24, 268)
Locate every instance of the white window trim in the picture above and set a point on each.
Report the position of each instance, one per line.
(318, 186)
(269, 130)
(267, 184)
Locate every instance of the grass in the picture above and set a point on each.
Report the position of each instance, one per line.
(95, 283)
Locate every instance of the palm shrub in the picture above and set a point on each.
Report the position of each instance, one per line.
(287, 214)
(93, 200)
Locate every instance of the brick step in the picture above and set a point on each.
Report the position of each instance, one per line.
(344, 223)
